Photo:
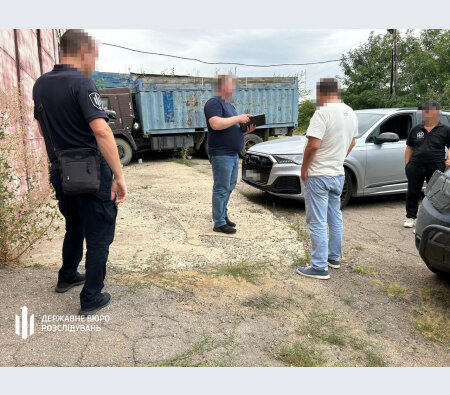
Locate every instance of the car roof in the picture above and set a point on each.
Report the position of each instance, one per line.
(391, 110)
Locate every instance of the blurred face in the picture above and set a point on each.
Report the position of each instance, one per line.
(430, 116)
(227, 88)
(88, 58)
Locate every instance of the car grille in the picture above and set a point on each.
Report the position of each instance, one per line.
(256, 168)
(287, 184)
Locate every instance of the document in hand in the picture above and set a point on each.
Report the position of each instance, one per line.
(256, 120)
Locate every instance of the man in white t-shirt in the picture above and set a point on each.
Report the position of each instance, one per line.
(331, 136)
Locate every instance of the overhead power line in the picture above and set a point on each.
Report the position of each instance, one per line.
(227, 63)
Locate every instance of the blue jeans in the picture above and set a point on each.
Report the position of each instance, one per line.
(323, 205)
(225, 173)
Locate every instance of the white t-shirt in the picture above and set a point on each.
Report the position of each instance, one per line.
(336, 125)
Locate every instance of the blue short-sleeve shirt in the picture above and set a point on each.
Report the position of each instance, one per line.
(227, 142)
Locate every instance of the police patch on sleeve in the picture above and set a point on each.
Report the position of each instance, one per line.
(96, 100)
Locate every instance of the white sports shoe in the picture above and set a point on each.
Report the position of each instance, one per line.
(409, 223)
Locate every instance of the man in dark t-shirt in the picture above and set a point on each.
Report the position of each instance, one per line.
(69, 112)
(225, 140)
(425, 153)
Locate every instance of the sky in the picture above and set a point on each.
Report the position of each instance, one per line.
(256, 46)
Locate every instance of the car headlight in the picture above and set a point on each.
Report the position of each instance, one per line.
(286, 159)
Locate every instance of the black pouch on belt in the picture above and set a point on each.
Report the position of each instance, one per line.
(80, 170)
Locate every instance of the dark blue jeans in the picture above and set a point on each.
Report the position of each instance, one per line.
(225, 173)
(91, 217)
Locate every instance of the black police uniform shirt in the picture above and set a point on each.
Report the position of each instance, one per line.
(429, 147)
(227, 142)
(71, 100)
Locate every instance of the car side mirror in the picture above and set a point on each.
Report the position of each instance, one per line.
(111, 114)
(387, 137)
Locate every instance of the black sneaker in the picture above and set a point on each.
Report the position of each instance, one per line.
(230, 223)
(64, 286)
(104, 301)
(224, 229)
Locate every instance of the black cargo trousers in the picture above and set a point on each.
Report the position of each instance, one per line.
(417, 173)
(91, 217)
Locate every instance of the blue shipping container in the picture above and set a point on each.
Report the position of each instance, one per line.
(174, 104)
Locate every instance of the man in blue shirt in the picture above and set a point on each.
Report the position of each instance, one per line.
(76, 119)
(225, 141)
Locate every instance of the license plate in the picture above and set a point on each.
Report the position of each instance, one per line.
(252, 175)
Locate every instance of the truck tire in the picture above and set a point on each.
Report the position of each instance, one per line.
(347, 189)
(249, 141)
(204, 148)
(125, 151)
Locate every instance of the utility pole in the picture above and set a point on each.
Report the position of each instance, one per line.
(394, 63)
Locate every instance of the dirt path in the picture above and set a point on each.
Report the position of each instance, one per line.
(186, 296)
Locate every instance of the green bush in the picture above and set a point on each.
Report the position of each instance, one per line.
(305, 112)
(26, 211)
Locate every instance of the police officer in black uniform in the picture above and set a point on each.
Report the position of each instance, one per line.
(425, 153)
(76, 119)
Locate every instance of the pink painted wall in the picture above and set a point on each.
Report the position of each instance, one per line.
(25, 54)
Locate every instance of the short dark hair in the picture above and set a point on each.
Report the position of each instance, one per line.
(328, 86)
(430, 105)
(72, 40)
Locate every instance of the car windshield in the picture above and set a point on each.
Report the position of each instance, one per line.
(366, 121)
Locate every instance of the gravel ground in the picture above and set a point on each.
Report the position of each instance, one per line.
(186, 296)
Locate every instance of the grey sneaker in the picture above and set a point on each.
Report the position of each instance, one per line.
(334, 264)
(313, 273)
(409, 223)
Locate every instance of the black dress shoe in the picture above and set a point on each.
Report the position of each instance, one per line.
(230, 223)
(103, 301)
(64, 286)
(224, 229)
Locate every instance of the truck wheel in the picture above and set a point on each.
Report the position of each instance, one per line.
(125, 151)
(346, 190)
(249, 141)
(204, 148)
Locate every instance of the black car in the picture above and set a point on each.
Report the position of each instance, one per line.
(433, 225)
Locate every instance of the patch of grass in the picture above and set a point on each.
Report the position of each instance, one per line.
(267, 301)
(358, 248)
(185, 359)
(323, 326)
(182, 161)
(372, 357)
(395, 290)
(392, 288)
(364, 269)
(348, 301)
(300, 228)
(300, 260)
(243, 270)
(145, 186)
(433, 324)
(435, 294)
(36, 265)
(300, 355)
(375, 329)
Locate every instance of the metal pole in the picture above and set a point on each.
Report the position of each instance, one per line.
(394, 63)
